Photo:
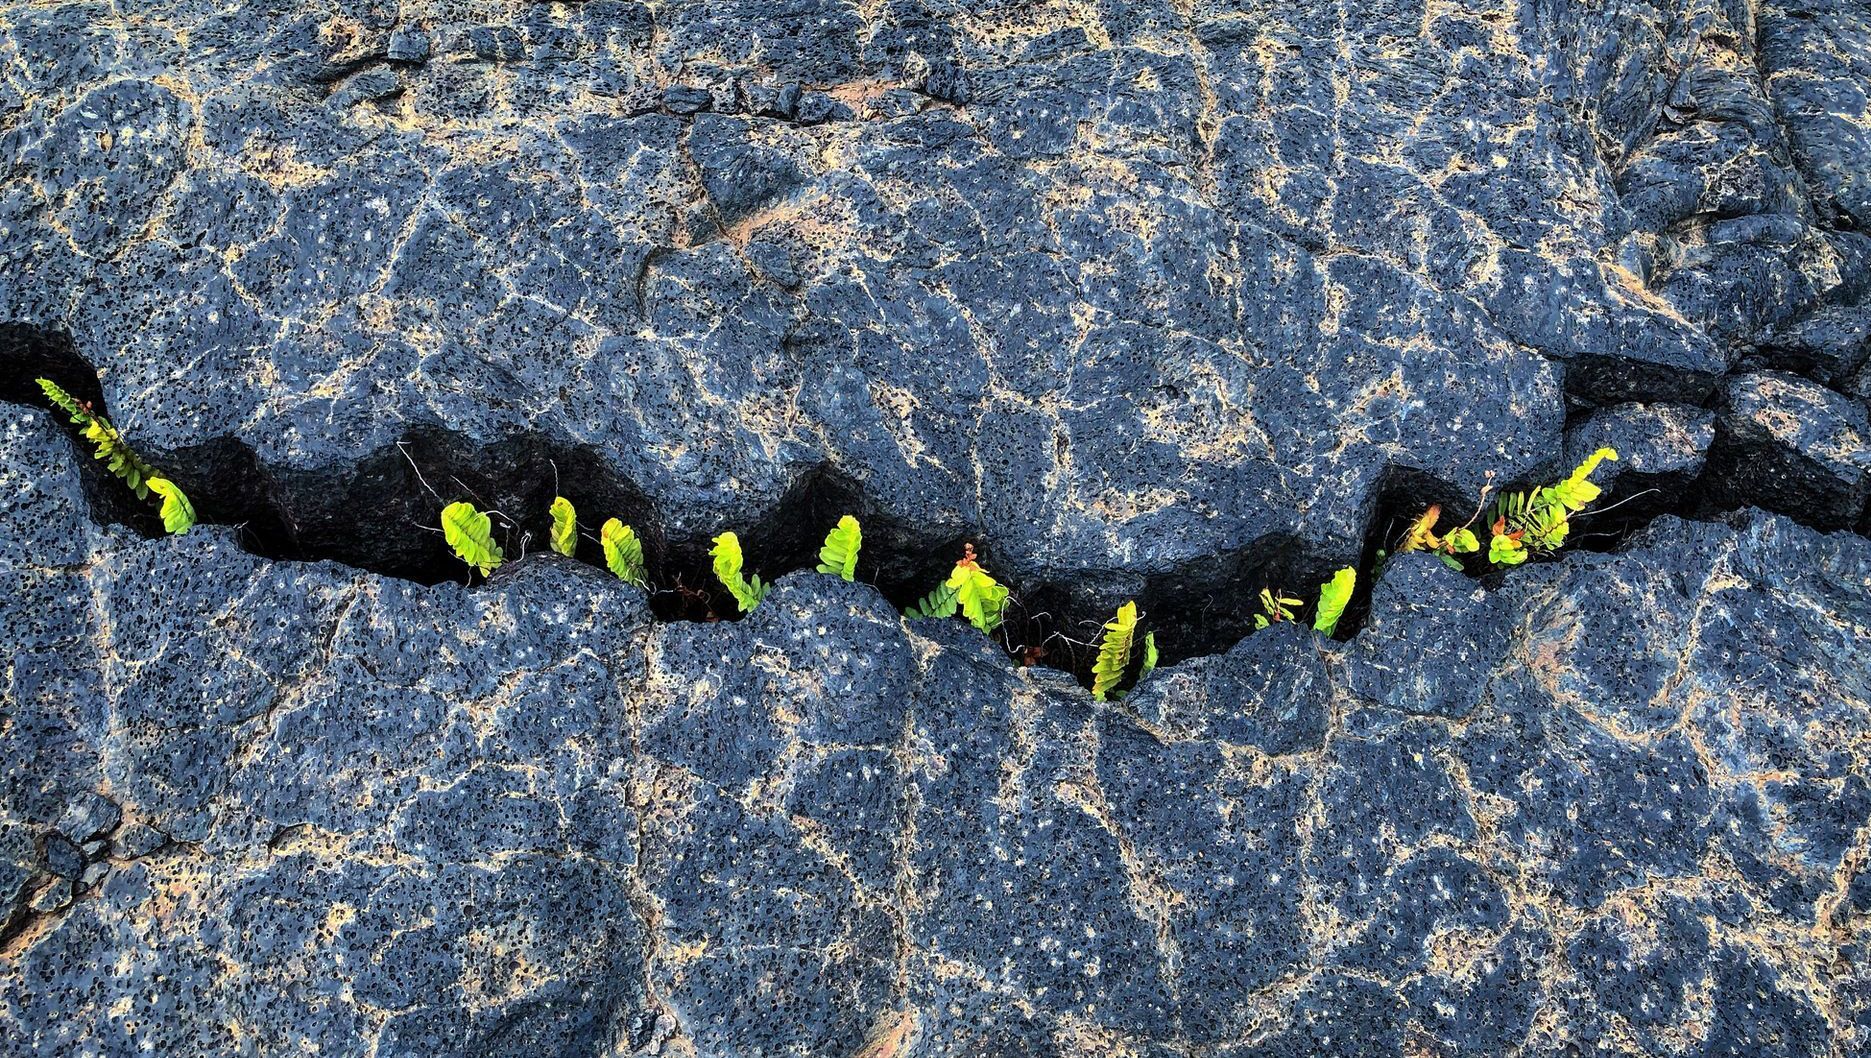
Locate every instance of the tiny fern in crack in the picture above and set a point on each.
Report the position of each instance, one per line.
(178, 514)
(839, 556)
(471, 534)
(1275, 607)
(1334, 594)
(564, 536)
(1114, 650)
(1537, 522)
(970, 591)
(747, 591)
(623, 553)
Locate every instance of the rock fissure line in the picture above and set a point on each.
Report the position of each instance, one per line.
(378, 514)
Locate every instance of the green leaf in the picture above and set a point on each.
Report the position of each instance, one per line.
(839, 556)
(982, 599)
(63, 399)
(942, 602)
(1333, 595)
(1149, 656)
(1461, 542)
(177, 513)
(111, 449)
(1450, 561)
(1504, 550)
(1577, 491)
(471, 534)
(1114, 651)
(727, 556)
(623, 552)
(564, 537)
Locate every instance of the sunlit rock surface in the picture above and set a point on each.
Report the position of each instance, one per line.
(1616, 806)
(1160, 298)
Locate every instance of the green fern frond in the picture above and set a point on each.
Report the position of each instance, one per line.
(178, 514)
(942, 602)
(747, 592)
(111, 448)
(471, 534)
(1149, 656)
(1274, 608)
(1333, 595)
(1114, 651)
(564, 537)
(1538, 522)
(839, 556)
(982, 599)
(623, 553)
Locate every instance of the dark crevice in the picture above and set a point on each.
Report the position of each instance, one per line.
(380, 514)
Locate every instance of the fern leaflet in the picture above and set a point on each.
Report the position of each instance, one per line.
(983, 600)
(727, 555)
(471, 533)
(1114, 651)
(112, 450)
(178, 514)
(1333, 595)
(564, 537)
(839, 556)
(623, 553)
(942, 602)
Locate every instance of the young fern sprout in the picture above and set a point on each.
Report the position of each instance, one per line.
(1334, 594)
(1114, 649)
(178, 514)
(1536, 522)
(1275, 606)
(470, 532)
(971, 591)
(839, 556)
(1422, 537)
(623, 553)
(564, 535)
(748, 591)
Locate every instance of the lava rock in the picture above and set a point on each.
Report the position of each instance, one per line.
(137, 840)
(63, 858)
(55, 896)
(409, 45)
(1791, 445)
(1829, 346)
(1662, 450)
(89, 815)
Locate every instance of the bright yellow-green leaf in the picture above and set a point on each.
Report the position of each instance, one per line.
(1114, 651)
(471, 533)
(839, 556)
(623, 552)
(1461, 542)
(178, 514)
(1149, 655)
(1333, 595)
(564, 527)
(727, 557)
(982, 599)
(1504, 550)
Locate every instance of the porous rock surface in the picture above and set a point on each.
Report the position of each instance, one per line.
(1618, 806)
(1120, 284)
(1153, 296)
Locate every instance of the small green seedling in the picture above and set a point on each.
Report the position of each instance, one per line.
(1114, 652)
(178, 514)
(839, 556)
(623, 553)
(1536, 522)
(470, 533)
(727, 555)
(1334, 594)
(969, 590)
(1274, 608)
(564, 537)
(1422, 537)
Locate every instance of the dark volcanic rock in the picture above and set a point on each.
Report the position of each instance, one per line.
(1788, 444)
(519, 819)
(1164, 300)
